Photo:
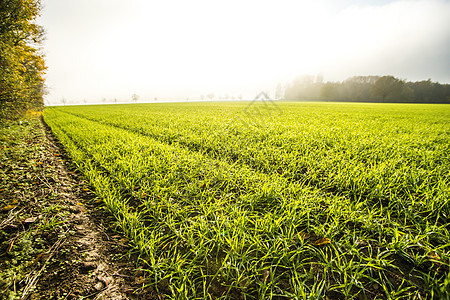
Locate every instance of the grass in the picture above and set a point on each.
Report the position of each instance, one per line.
(46, 214)
(257, 201)
(25, 222)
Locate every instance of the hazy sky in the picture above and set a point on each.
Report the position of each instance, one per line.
(177, 49)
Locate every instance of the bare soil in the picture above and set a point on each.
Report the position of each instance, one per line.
(57, 239)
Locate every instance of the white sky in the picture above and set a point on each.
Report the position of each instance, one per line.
(176, 48)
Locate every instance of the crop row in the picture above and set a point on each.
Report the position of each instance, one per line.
(407, 170)
(213, 220)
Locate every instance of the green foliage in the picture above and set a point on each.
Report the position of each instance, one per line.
(21, 61)
(386, 86)
(27, 217)
(368, 89)
(323, 200)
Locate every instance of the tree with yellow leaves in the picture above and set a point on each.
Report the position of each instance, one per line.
(22, 65)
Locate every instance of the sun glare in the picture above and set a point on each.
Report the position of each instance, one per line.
(185, 49)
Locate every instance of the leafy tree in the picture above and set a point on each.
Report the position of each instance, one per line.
(407, 94)
(423, 90)
(22, 65)
(386, 86)
(368, 89)
(358, 88)
(328, 91)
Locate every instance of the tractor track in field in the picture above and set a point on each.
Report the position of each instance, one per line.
(232, 160)
(319, 184)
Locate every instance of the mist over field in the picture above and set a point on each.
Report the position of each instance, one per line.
(178, 50)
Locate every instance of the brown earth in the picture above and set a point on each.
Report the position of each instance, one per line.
(57, 239)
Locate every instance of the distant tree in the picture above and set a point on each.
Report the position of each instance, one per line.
(423, 90)
(438, 92)
(358, 88)
(210, 96)
(63, 100)
(22, 65)
(104, 100)
(279, 91)
(135, 97)
(407, 94)
(368, 88)
(328, 91)
(386, 86)
(319, 78)
(305, 79)
(303, 88)
(115, 100)
(202, 97)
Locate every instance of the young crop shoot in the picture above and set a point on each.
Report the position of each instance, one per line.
(337, 201)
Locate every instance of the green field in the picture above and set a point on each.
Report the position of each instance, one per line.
(259, 201)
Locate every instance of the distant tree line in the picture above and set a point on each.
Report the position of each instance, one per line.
(367, 89)
(22, 65)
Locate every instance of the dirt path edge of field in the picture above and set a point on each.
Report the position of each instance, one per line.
(57, 239)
